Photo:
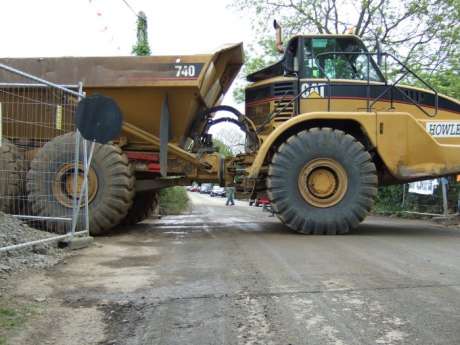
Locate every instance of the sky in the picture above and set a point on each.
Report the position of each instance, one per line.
(108, 27)
(45, 28)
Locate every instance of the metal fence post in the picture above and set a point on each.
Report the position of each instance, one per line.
(444, 197)
(404, 195)
(75, 182)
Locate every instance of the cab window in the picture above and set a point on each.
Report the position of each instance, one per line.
(337, 59)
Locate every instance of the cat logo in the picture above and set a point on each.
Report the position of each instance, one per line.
(312, 90)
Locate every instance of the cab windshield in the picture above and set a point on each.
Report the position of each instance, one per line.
(338, 58)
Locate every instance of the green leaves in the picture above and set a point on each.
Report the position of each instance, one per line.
(425, 34)
(257, 56)
(223, 149)
(141, 48)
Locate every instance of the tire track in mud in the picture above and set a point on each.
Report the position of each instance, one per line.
(232, 316)
(227, 276)
(326, 316)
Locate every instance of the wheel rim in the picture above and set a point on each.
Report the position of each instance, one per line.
(63, 184)
(323, 182)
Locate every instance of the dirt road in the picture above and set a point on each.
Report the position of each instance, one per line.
(234, 275)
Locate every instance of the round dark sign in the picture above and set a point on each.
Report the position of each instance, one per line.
(98, 118)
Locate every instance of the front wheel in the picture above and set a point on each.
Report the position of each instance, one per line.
(322, 181)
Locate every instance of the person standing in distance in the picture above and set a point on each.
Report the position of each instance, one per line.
(230, 195)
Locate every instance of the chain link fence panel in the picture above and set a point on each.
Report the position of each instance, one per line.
(42, 155)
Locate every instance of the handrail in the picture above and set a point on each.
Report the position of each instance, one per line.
(370, 104)
(409, 71)
(394, 84)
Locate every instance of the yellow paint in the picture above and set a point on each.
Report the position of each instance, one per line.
(405, 147)
(59, 117)
(410, 152)
(366, 120)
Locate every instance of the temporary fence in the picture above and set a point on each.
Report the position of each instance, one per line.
(43, 159)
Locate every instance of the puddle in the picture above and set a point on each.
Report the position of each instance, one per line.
(133, 261)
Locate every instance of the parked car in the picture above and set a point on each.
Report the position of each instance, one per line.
(193, 188)
(206, 188)
(260, 201)
(217, 191)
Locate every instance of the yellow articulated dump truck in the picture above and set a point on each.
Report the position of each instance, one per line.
(324, 128)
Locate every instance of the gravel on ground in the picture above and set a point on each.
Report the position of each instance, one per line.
(14, 231)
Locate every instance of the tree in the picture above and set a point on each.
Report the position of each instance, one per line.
(223, 149)
(423, 33)
(446, 79)
(232, 137)
(141, 48)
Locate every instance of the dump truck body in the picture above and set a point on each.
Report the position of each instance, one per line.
(165, 102)
(140, 86)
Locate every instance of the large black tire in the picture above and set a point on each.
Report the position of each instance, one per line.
(144, 205)
(11, 176)
(343, 203)
(111, 198)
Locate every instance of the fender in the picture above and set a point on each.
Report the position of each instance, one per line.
(367, 121)
(410, 152)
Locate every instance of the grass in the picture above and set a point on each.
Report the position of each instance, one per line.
(13, 318)
(9, 319)
(173, 200)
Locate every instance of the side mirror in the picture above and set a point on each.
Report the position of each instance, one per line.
(288, 63)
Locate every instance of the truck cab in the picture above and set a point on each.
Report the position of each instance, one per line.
(336, 73)
(322, 57)
(310, 64)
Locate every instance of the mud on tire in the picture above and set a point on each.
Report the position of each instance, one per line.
(109, 202)
(355, 182)
(11, 176)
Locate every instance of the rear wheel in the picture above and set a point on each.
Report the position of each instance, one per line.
(11, 176)
(144, 205)
(322, 181)
(50, 185)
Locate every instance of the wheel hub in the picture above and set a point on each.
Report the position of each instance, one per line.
(63, 184)
(323, 182)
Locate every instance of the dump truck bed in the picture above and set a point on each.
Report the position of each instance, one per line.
(140, 85)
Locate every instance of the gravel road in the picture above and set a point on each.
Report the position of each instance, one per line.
(234, 275)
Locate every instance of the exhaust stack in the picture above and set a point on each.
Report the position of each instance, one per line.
(279, 43)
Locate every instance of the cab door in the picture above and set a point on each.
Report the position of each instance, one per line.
(311, 82)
